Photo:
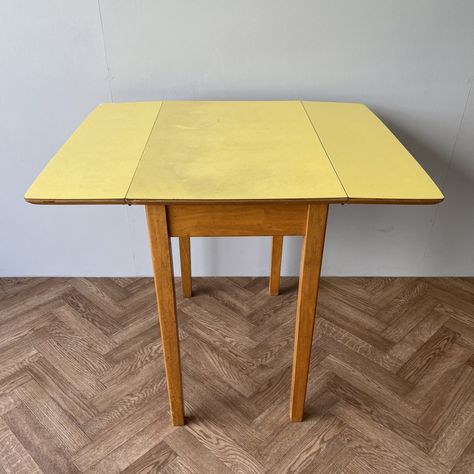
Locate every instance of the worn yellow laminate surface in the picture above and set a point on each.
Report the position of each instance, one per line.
(371, 163)
(233, 151)
(193, 151)
(98, 161)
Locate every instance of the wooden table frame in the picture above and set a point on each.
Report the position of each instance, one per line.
(237, 219)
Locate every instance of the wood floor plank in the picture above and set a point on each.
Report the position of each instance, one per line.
(105, 293)
(418, 336)
(374, 388)
(410, 290)
(68, 433)
(443, 408)
(126, 405)
(79, 347)
(8, 402)
(22, 328)
(391, 384)
(228, 409)
(63, 358)
(153, 460)
(466, 333)
(11, 383)
(335, 457)
(101, 446)
(224, 396)
(416, 312)
(134, 343)
(35, 437)
(220, 366)
(226, 449)
(456, 436)
(91, 312)
(452, 312)
(348, 319)
(37, 296)
(273, 423)
(178, 466)
(465, 463)
(385, 447)
(199, 458)
(319, 441)
(382, 414)
(58, 387)
(446, 290)
(15, 358)
(120, 388)
(14, 458)
(133, 448)
(137, 359)
(359, 464)
(427, 354)
(355, 344)
(96, 339)
(364, 367)
(438, 376)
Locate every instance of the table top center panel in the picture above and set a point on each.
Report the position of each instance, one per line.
(233, 151)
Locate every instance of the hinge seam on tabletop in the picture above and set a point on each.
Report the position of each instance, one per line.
(325, 151)
(126, 201)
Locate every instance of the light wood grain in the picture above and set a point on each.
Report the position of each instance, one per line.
(275, 265)
(236, 219)
(311, 258)
(163, 273)
(185, 261)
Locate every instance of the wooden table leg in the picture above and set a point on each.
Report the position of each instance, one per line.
(311, 258)
(277, 248)
(163, 271)
(185, 260)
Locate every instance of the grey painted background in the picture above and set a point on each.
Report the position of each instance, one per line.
(412, 62)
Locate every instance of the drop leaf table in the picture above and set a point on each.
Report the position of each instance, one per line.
(238, 168)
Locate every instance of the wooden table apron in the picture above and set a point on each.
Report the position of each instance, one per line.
(237, 219)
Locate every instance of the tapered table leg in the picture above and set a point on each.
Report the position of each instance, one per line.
(311, 258)
(277, 247)
(164, 286)
(185, 260)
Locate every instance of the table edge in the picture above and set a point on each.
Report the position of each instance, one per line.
(143, 202)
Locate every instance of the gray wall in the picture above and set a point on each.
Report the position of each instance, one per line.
(411, 62)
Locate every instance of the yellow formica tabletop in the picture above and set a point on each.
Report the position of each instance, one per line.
(202, 151)
(233, 169)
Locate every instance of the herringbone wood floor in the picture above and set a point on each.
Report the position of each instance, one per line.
(391, 385)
